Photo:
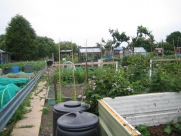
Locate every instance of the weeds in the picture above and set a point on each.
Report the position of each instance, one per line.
(171, 126)
(45, 110)
(26, 126)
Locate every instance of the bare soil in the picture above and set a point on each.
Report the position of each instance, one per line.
(159, 131)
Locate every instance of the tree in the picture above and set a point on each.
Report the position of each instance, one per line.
(118, 38)
(142, 33)
(46, 47)
(168, 48)
(20, 39)
(68, 46)
(174, 39)
(2, 42)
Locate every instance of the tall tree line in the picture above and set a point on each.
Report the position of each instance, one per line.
(22, 42)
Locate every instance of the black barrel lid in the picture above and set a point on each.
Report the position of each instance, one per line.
(71, 106)
(77, 120)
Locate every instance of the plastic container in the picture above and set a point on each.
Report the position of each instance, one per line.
(15, 69)
(67, 107)
(28, 68)
(49, 62)
(78, 124)
(7, 70)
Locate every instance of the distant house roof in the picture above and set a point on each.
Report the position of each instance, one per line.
(1, 51)
(118, 49)
(158, 48)
(65, 51)
(139, 49)
(89, 49)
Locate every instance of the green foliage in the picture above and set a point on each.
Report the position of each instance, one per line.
(171, 126)
(109, 83)
(37, 65)
(20, 39)
(2, 42)
(68, 46)
(7, 132)
(118, 38)
(174, 39)
(166, 77)
(18, 115)
(46, 47)
(79, 73)
(45, 110)
(59, 97)
(168, 48)
(143, 130)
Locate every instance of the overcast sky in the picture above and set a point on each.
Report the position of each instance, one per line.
(78, 20)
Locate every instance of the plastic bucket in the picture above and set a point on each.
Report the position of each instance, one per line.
(15, 69)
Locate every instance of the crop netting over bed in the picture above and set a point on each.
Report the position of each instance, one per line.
(5, 81)
(7, 92)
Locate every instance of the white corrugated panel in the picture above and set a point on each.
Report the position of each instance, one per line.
(89, 50)
(149, 109)
(96, 50)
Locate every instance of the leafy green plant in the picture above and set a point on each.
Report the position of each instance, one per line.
(26, 126)
(45, 110)
(109, 83)
(171, 126)
(59, 97)
(143, 130)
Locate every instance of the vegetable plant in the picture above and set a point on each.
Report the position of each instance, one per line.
(171, 126)
(143, 129)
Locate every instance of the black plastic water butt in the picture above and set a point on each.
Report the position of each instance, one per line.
(67, 107)
(78, 124)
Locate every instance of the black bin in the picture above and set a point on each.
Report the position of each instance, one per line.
(67, 107)
(7, 70)
(28, 68)
(49, 62)
(78, 124)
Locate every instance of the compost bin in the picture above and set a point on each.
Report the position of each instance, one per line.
(78, 124)
(67, 107)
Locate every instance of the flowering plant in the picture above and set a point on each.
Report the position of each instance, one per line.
(109, 83)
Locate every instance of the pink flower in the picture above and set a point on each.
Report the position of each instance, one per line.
(83, 97)
(79, 96)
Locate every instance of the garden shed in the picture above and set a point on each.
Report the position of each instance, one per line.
(65, 52)
(5, 57)
(117, 51)
(159, 51)
(93, 54)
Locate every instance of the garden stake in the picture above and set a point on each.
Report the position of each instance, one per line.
(55, 88)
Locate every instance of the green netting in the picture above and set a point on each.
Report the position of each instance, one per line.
(5, 81)
(7, 92)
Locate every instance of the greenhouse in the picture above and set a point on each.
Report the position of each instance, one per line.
(92, 53)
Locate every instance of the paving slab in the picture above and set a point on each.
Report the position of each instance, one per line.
(30, 125)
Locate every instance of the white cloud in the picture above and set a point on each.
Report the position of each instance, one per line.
(90, 19)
